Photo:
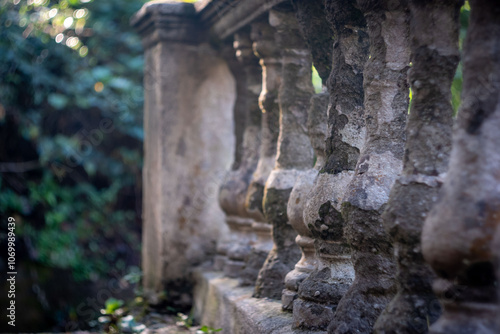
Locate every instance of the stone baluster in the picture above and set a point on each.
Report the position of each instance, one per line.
(320, 293)
(232, 194)
(226, 202)
(294, 152)
(457, 238)
(380, 163)
(317, 128)
(435, 56)
(318, 35)
(264, 46)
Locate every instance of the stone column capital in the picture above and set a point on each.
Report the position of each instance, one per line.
(168, 21)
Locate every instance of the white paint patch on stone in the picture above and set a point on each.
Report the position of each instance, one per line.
(298, 198)
(376, 182)
(328, 187)
(354, 132)
(353, 135)
(282, 179)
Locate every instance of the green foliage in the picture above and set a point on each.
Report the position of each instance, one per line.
(456, 87)
(316, 81)
(208, 330)
(112, 305)
(116, 320)
(71, 94)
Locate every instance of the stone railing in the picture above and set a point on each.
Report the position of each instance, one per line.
(333, 201)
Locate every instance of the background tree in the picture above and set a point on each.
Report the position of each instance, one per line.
(70, 160)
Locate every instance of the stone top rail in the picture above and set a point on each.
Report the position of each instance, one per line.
(178, 21)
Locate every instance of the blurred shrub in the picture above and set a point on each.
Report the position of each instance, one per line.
(71, 132)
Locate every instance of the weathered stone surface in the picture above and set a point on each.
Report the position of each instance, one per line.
(457, 239)
(239, 119)
(226, 17)
(221, 303)
(317, 32)
(434, 58)
(265, 48)
(182, 219)
(167, 21)
(325, 286)
(379, 164)
(232, 195)
(334, 272)
(294, 151)
(258, 253)
(316, 124)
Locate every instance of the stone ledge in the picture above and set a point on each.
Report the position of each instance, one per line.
(220, 303)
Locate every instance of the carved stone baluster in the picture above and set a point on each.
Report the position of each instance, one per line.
(458, 233)
(435, 56)
(294, 152)
(380, 163)
(317, 128)
(233, 192)
(265, 48)
(227, 201)
(325, 286)
(318, 35)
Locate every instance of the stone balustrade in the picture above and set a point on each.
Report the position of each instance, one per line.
(346, 211)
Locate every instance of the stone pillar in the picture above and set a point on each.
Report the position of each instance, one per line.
(294, 152)
(232, 194)
(457, 239)
(265, 48)
(316, 125)
(189, 98)
(380, 163)
(435, 56)
(320, 293)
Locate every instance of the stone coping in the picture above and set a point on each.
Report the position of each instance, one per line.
(187, 22)
(220, 302)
